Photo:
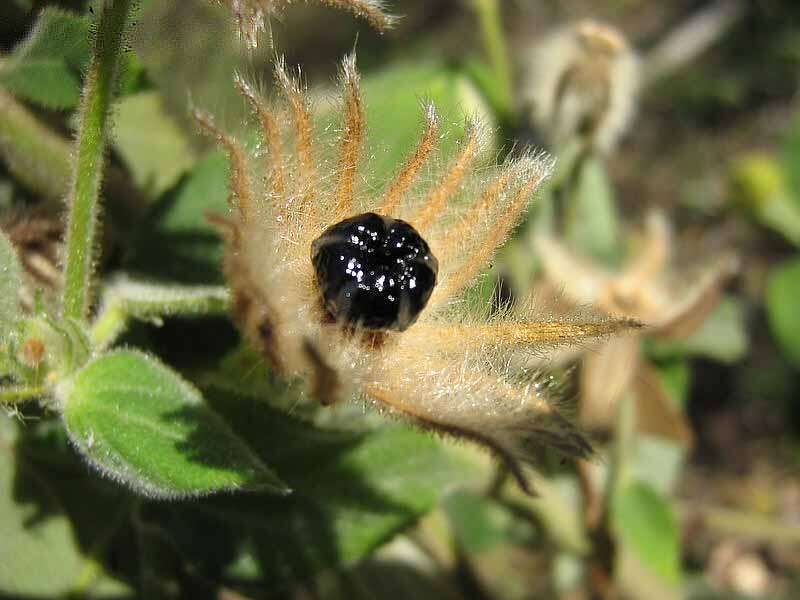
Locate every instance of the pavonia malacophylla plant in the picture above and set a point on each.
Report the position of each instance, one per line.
(362, 294)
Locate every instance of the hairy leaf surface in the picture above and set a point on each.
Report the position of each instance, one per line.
(140, 423)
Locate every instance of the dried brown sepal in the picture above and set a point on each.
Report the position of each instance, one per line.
(501, 226)
(239, 174)
(699, 300)
(398, 187)
(536, 334)
(446, 187)
(352, 138)
(270, 131)
(647, 288)
(372, 11)
(292, 90)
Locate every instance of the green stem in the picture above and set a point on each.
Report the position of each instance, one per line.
(624, 447)
(111, 322)
(494, 42)
(126, 300)
(93, 131)
(11, 396)
(551, 509)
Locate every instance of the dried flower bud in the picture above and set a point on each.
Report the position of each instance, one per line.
(582, 83)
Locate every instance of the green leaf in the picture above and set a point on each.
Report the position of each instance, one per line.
(591, 219)
(46, 67)
(176, 50)
(479, 523)
(243, 372)
(783, 290)
(39, 559)
(722, 336)
(644, 522)
(40, 555)
(205, 190)
(352, 492)
(37, 158)
(488, 83)
(150, 142)
(178, 227)
(138, 422)
(10, 282)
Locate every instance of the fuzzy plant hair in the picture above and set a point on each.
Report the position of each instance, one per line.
(452, 370)
(253, 16)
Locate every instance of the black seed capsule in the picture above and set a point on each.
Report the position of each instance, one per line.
(374, 271)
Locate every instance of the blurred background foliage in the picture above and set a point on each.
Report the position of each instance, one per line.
(695, 491)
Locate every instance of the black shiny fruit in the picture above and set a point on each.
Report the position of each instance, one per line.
(374, 271)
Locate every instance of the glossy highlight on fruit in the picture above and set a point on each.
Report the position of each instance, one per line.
(374, 271)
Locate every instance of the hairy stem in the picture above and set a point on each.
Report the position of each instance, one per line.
(111, 322)
(623, 448)
(127, 300)
(550, 509)
(11, 396)
(83, 200)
